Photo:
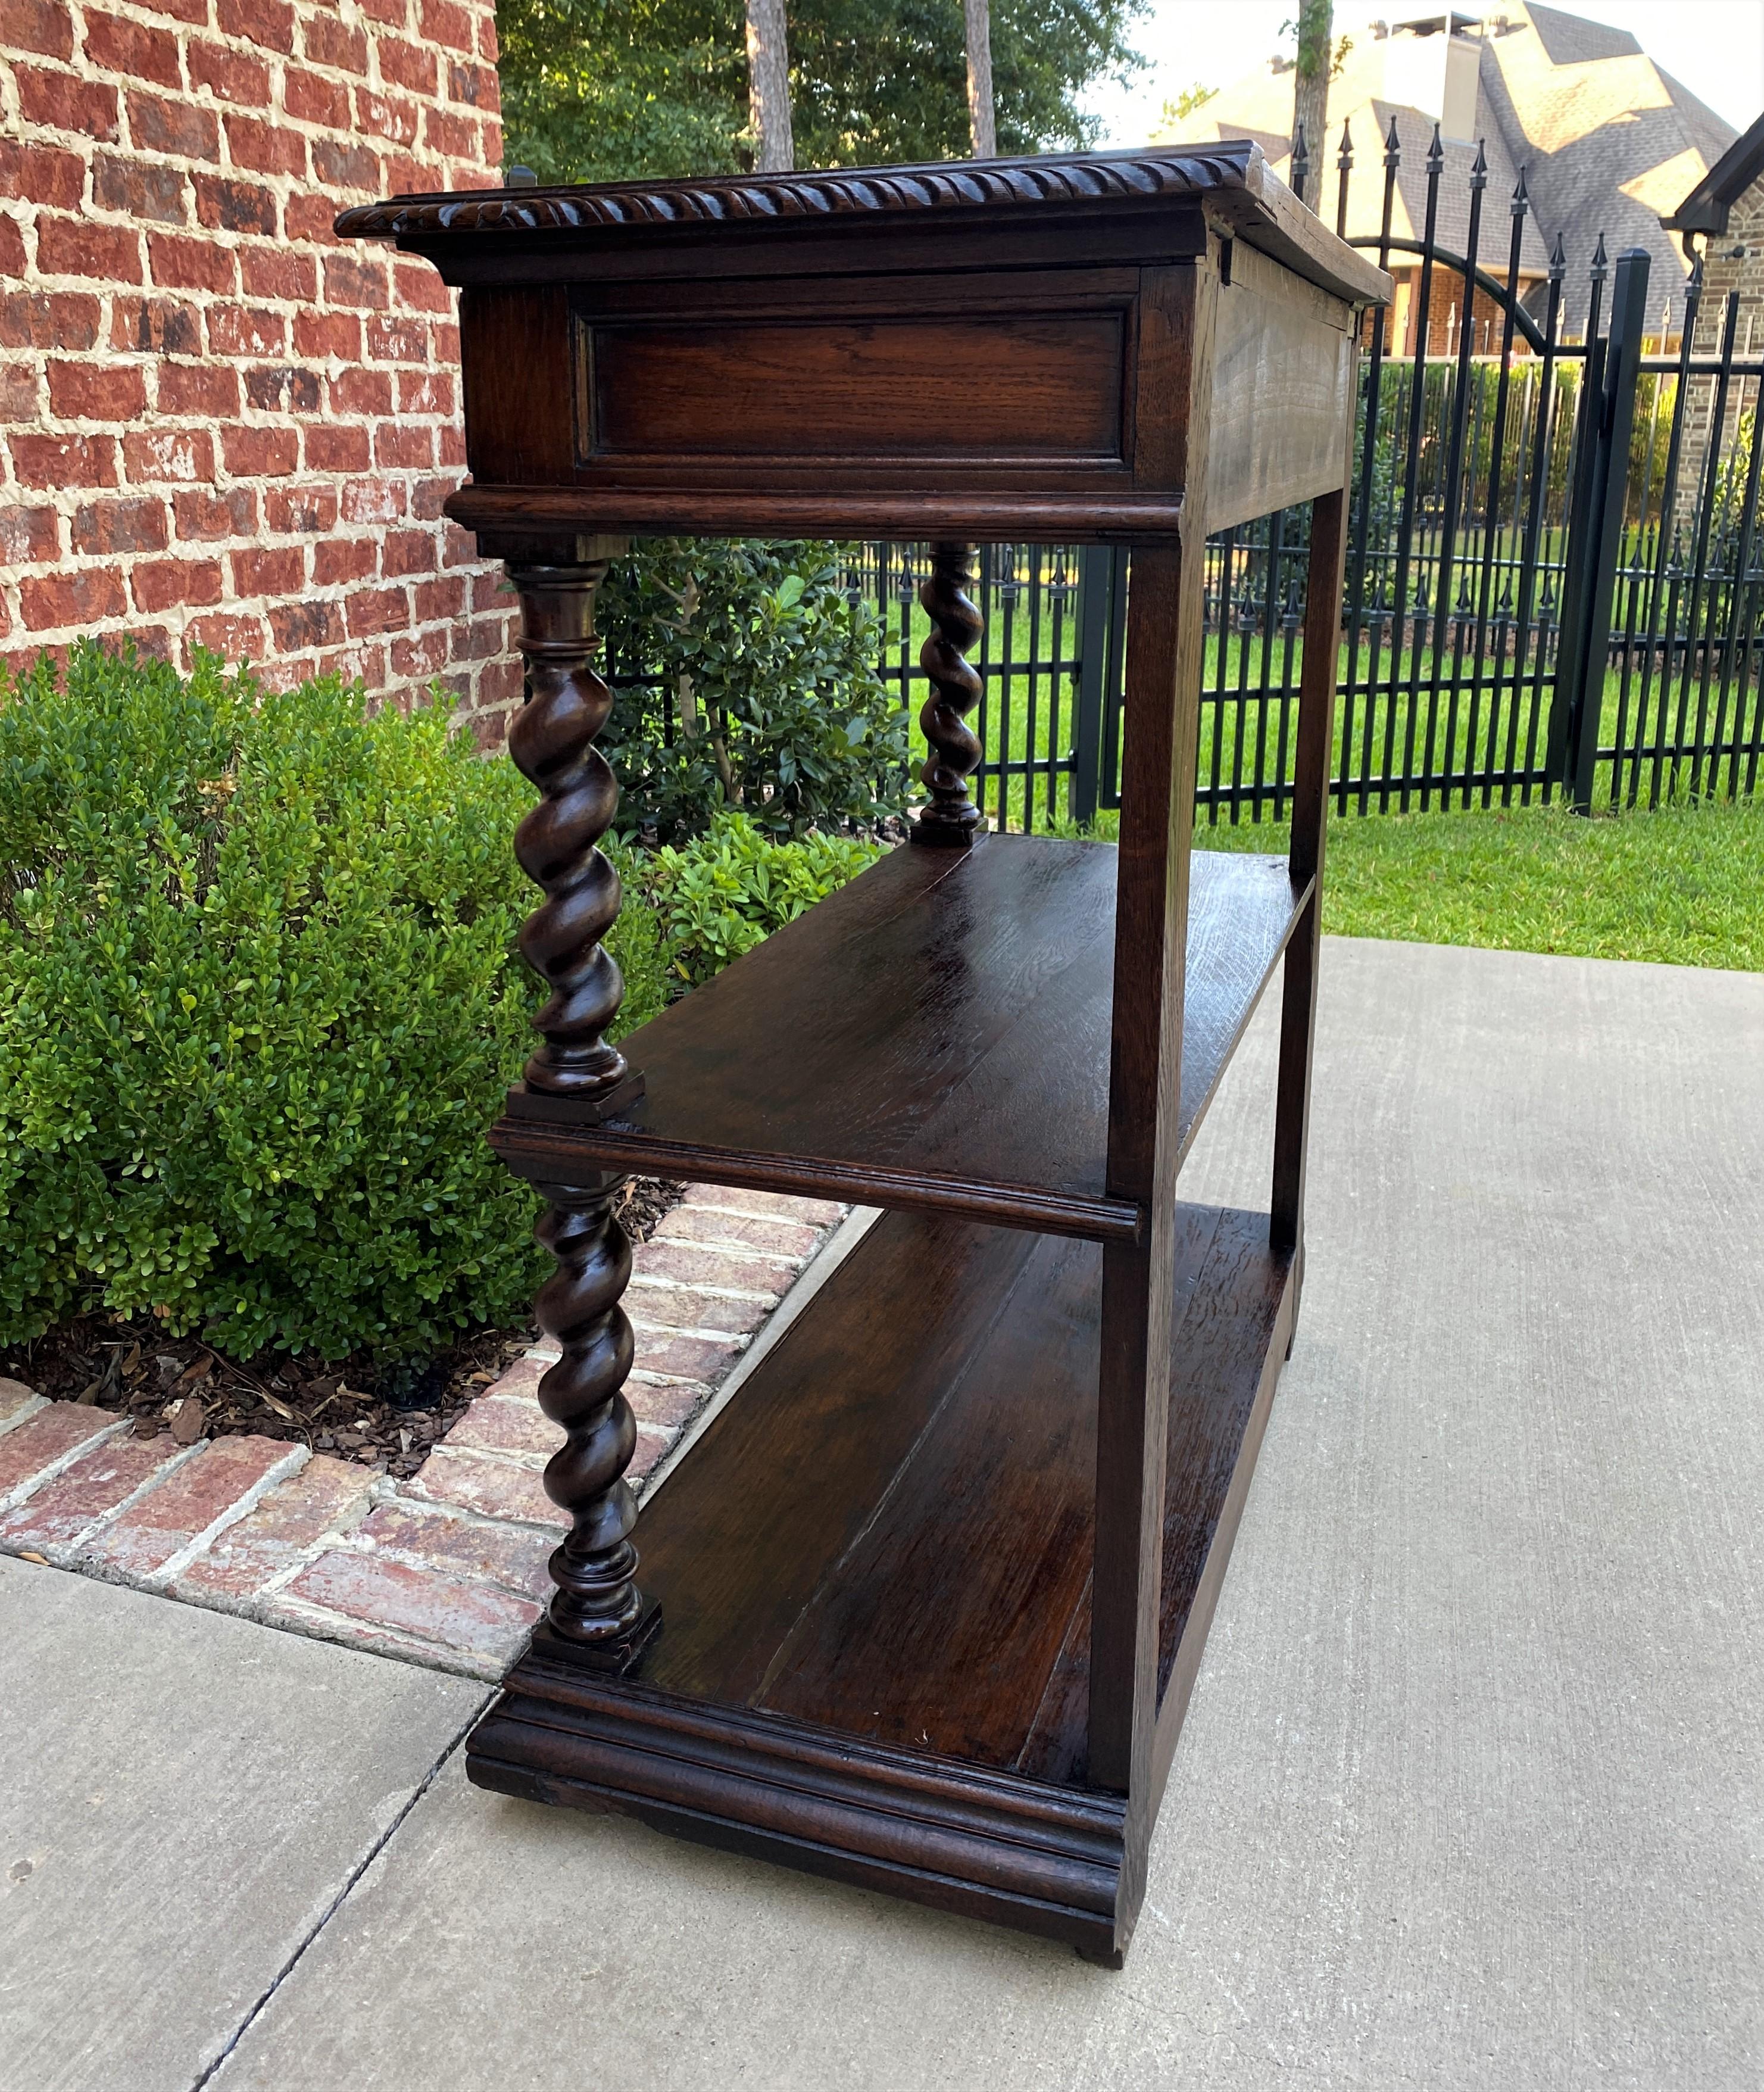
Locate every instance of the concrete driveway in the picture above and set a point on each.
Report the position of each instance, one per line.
(1470, 1793)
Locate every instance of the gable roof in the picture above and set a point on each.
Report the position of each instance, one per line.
(1706, 208)
(1608, 140)
(1572, 39)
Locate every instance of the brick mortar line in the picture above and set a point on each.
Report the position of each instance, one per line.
(22, 1491)
(25, 1409)
(69, 1550)
(835, 1246)
(736, 1339)
(319, 1622)
(771, 1300)
(501, 1456)
(342, 1538)
(364, 1548)
(235, 194)
(724, 1246)
(335, 1536)
(275, 1604)
(283, 1470)
(746, 1213)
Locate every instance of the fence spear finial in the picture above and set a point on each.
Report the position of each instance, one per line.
(1393, 145)
(1559, 261)
(1521, 195)
(1600, 265)
(1479, 168)
(1436, 154)
(1301, 163)
(1344, 158)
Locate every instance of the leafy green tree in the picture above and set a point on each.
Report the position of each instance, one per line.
(1310, 90)
(1178, 108)
(595, 90)
(768, 42)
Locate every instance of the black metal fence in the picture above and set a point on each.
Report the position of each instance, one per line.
(1556, 569)
(1043, 673)
(1554, 584)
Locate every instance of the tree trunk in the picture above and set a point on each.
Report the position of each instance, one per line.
(769, 88)
(978, 15)
(1310, 94)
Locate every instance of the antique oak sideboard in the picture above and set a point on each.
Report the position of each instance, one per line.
(922, 1606)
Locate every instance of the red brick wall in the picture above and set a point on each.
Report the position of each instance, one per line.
(219, 427)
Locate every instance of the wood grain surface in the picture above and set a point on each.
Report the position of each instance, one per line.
(873, 1570)
(870, 387)
(936, 1034)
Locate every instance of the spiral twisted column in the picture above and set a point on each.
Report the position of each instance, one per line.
(949, 817)
(552, 743)
(597, 1605)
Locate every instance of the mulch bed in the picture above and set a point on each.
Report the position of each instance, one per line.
(386, 1418)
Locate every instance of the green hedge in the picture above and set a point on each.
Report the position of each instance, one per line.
(260, 998)
(257, 1004)
(720, 894)
(760, 692)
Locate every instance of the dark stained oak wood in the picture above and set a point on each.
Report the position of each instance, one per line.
(1004, 1472)
(982, 515)
(1310, 809)
(922, 1607)
(895, 386)
(958, 1838)
(881, 1550)
(1091, 204)
(514, 349)
(853, 1387)
(1147, 1055)
(597, 1605)
(741, 355)
(947, 1015)
(552, 743)
(780, 1594)
(949, 818)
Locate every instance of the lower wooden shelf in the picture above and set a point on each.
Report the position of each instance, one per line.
(873, 1574)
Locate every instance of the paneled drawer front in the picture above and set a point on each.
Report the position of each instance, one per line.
(1043, 388)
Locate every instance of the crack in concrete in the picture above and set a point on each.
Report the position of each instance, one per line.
(337, 1902)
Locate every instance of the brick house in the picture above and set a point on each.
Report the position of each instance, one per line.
(1721, 220)
(1725, 212)
(219, 427)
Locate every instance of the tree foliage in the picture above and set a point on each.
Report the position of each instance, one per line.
(597, 90)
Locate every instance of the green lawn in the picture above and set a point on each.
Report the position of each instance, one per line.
(1684, 884)
(1497, 718)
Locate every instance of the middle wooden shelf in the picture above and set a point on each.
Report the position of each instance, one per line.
(933, 1036)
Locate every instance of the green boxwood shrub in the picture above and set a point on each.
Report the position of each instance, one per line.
(258, 1002)
(763, 691)
(719, 895)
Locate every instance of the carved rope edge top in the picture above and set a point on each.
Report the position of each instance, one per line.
(944, 185)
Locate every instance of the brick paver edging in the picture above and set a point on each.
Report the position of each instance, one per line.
(446, 1569)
